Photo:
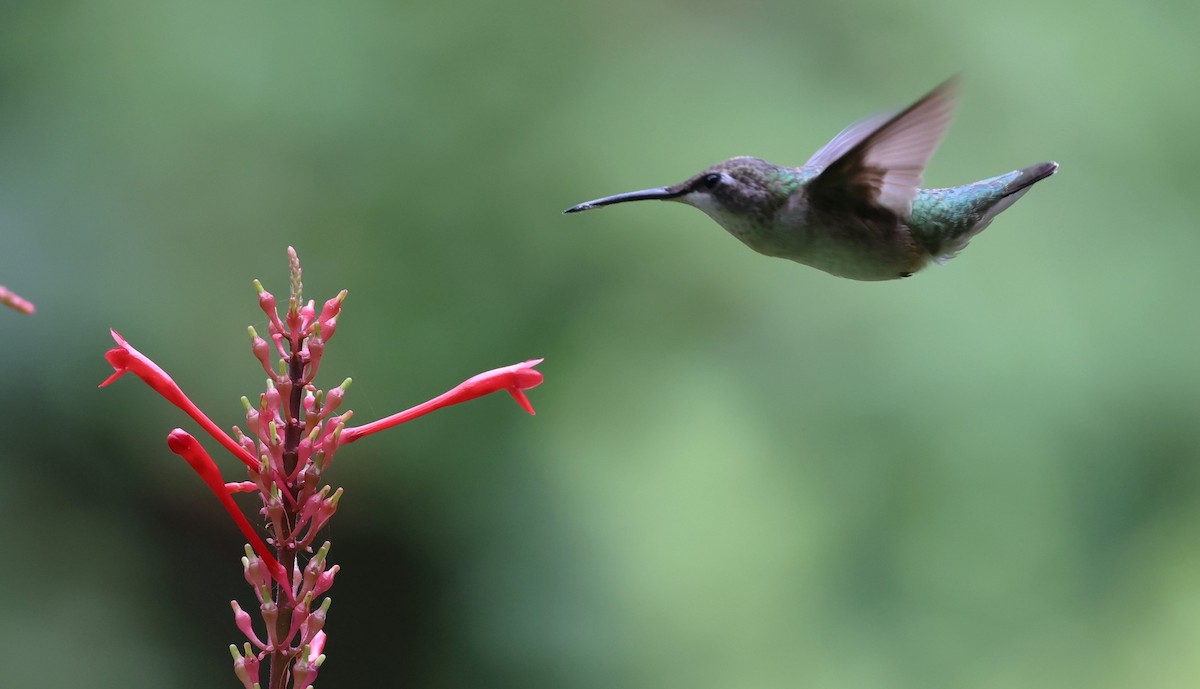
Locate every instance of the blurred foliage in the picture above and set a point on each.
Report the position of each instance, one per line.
(744, 473)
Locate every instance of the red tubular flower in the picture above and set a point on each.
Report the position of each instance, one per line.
(125, 359)
(515, 379)
(184, 445)
(14, 301)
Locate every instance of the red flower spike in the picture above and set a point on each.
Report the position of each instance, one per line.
(126, 359)
(515, 379)
(184, 445)
(293, 431)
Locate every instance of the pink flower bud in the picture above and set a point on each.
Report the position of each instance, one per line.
(328, 328)
(262, 352)
(271, 401)
(266, 301)
(333, 398)
(246, 443)
(316, 620)
(311, 475)
(277, 339)
(241, 618)
(310, 508)
(303, 452)
(295, 324)
(325, 510)
(317, 647)
(308, 315)
(285, 393)
(313, 570)
(315, 347)
(332, 308)
(320, 462)
(299, 615)
(270, 615)
(325, 580)
(256, 573)
(309, 405)
(304, 670)
(246, 666)
(333, 427)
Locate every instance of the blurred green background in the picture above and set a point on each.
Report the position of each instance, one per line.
(744, 473)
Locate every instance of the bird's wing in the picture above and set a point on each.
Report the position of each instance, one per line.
(848, 138)
(879, 161)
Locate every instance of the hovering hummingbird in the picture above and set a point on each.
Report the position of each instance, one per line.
(855, 209)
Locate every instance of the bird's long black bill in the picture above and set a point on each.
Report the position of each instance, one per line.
(660, 193)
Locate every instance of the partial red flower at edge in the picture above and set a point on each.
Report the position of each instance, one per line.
(515, 379)
(15, 302)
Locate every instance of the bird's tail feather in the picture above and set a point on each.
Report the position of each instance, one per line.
(1016, 189)
(1013, 190)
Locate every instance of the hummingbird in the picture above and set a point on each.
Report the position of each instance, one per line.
(855, 209)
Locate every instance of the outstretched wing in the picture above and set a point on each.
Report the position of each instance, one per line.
(847, 139)
(878, 162)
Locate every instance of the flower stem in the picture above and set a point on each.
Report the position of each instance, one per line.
(281, 657)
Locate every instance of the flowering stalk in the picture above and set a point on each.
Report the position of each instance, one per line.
(14, 301)
(292, 438)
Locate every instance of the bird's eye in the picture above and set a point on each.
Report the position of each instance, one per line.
(710, 181)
